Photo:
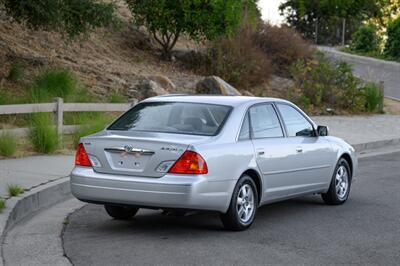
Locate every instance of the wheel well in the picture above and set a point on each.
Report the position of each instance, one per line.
(348, 160)
(256, 178)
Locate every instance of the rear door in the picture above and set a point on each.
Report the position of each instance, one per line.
(272, 150)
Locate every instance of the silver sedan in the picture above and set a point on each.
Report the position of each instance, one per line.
(229, 154)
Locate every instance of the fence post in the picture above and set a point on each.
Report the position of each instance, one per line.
(58, 116)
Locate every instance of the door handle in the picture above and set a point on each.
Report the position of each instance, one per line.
(260, 152)
(299, 149)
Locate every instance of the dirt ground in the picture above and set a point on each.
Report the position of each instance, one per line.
(392, 106)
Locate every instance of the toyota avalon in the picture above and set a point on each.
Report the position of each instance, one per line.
(229, 154)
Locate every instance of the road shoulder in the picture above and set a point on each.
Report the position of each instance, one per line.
(37, 241)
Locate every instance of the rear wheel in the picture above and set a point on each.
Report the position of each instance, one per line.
(339, 188)
(243, 206)
(120, 212)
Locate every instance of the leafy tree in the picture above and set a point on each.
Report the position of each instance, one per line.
(166, 20)
(73, 17)
(366, 39)
(324, 17)
(392, 47)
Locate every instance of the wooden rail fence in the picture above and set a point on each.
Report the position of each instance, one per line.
(58, 107)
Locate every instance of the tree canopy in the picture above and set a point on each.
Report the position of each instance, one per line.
(199, 19)
(71, 17)
(325, 16)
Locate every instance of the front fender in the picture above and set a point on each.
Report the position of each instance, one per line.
(342, 148)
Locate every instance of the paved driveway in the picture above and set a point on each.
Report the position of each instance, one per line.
(366, 230)
(371, 69)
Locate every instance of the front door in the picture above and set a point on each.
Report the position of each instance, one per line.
(313, 161)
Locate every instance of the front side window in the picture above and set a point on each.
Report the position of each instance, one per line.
(296, 123)
(264, 122)
(174, 117)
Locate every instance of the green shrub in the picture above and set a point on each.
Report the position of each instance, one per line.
(237, 60)
(8, 144)
(43, 134)
(283, 45)
(14, 190)
(90, 126)
(53, 83)
(392, 48)
(320, 83)
(2, 205)
(373, 97)
(15, 73)
(366, 40)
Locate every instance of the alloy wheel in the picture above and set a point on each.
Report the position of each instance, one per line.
(245, 203)
(342, 182)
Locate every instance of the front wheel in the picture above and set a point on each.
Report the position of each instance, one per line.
(243, 206)
(121, 212)
(339, 188)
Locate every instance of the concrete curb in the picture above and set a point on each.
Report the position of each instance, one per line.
(375, 145)
(19, 208)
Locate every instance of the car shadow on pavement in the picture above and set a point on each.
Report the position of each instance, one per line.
(156, 222)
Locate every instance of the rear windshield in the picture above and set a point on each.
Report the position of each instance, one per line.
(174, 117)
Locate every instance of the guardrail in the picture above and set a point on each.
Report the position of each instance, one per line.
(58, 107)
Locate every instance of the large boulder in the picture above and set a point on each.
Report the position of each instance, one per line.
(215, 85)
(152, 86)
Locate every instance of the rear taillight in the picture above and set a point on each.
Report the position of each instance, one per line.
(81, 157)
(190, 163)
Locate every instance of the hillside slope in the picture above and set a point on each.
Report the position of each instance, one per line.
(108, 60)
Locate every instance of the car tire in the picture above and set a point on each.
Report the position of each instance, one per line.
(243, 206)
(339, 188)
(121, 212)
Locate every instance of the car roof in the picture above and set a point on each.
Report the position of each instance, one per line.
(213, 99)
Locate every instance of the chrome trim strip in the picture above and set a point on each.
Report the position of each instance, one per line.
(129, 151)
(297, 170)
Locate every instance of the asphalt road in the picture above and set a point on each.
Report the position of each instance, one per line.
(366, 230)
(375, 70)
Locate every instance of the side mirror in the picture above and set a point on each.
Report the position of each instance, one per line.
(322, 131)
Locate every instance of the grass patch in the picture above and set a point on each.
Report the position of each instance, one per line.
(80, 95)
(8, 144)
(2, 205)
(14, 190)
(117, 98)
(15, 73)
(4, 97)
(373, 98)
(43, 134)
(56, 83)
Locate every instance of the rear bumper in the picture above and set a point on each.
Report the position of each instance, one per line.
(169, 191)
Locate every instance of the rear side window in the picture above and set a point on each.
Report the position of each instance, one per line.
(174, 117)
(245, 130)
(264, 122)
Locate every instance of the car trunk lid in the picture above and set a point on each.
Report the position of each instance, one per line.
(137, 153)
